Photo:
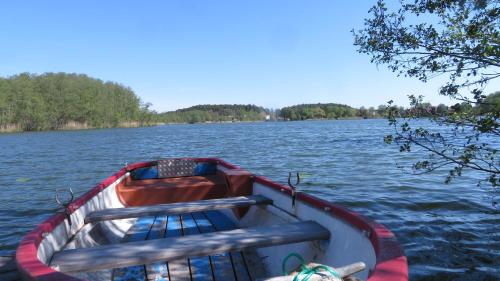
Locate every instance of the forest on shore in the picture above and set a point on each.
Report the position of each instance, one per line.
(339, 111)
(59, 101)
(216, 113)
(318, 111)
(56, 101)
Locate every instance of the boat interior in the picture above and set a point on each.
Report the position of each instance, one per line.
(192, 219)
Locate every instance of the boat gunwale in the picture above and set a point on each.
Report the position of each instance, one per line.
(391, 263)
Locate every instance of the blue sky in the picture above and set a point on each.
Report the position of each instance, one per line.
(176, 54)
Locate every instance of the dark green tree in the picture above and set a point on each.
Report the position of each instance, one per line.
(491, 104)
(458, 39)
(442, 109)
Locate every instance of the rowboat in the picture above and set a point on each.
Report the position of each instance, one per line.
(206, 219)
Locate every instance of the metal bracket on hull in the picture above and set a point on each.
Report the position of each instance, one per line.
(66, 204)
(293, 187)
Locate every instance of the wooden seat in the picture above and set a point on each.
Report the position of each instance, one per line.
(177, 208)
(196, 245)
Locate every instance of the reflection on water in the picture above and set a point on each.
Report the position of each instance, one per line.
(449, 232)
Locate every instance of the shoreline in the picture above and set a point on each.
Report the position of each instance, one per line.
(9, 130)
(15, 130)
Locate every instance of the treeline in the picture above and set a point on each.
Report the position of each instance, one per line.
(317, 111)
(330, 111)
(54, 101)
(491, 104)
(215, 113)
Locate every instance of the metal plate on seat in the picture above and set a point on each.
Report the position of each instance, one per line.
(169, 168)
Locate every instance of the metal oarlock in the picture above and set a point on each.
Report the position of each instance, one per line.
(66, 204)
(293, 187)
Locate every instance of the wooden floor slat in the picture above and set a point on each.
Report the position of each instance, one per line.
(200, 267)
(167, 249)
(222, 222)
(178, 269)
(138, 232)
(157, 271)
(177, 208)
(221, 264)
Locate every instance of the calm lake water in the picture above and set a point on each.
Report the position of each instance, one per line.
(449, 232)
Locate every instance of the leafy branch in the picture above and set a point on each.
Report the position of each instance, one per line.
(424, 39)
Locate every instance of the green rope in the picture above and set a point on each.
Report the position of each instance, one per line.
(283, 265)
(306, 273)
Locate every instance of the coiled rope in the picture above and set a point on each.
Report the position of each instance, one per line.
(306, 273)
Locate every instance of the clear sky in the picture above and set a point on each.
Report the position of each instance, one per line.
(180, 53)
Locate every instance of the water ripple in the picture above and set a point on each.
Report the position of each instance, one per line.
(449, 232)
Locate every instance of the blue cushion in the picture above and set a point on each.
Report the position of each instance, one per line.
(203, 169)
(145, 173)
